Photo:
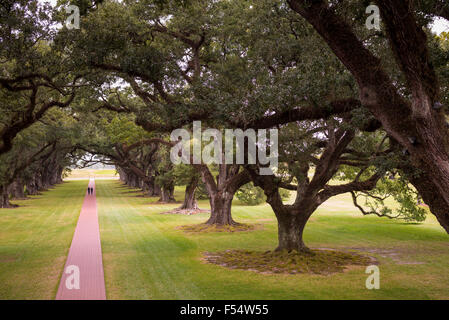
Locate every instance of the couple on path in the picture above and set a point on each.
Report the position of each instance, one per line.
(90, 190)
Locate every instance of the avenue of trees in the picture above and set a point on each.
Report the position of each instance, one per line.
(358, 111)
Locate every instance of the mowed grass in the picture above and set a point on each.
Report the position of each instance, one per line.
(146, 256)
(35, 239)
(91, 173)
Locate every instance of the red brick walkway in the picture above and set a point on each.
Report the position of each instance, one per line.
(85, 256)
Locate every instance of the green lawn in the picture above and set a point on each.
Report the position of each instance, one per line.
(90, 173)
(145, 256)
(35, 240)
(107, 172)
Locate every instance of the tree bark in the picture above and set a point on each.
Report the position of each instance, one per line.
(291, 219)
(59, 175)
(290, 231)
(17, 189)
(189, 199)
(39, 181)
(31, 187)
(157, 191)
(54, 177)
(164, 196)
(151, 188)
(221, 204)
(134, 181)
(437, 203)
(131, 180)
(45, 178)
(122, 174)
(167, 194)
(221, 192)
(4, 197)
(11, 190)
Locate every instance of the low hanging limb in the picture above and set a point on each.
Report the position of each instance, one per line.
(372, 212)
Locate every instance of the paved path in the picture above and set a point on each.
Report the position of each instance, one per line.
(85, 256)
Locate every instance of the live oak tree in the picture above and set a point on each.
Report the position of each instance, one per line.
(36, 84)
(141, 159)
(11, 168)
(188, 176)
(411, 113)
(38, 157)
(179, 65)
(317, 99)
(262, 88)
(221, 190)
(147, 52)
(136, 161)
(33, 73)
(314, 157)
(168, 64)
(165, 176)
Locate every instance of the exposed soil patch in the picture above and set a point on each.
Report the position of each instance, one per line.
(166, 202)
(396, 256)
(205, 228)
(131, 191)
(6, 258)
(12, 206)
(142, 196)
(314, 262)
(187, 212)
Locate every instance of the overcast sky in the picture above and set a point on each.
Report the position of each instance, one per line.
(440, 25)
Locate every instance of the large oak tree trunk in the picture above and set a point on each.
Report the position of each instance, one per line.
(221, 191)
(167, 194)
(133, 180)
(145, 187)
(122, 174)
(45, 179)
(290, 232)
(39, 181)
(430, 190)
(220, 204)
(291, 221)
(17, 189)
(31, 187)
(157, 191)
(59, 175)
(4, 197)
(151, 188)
(54, 179)
(190, 202)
